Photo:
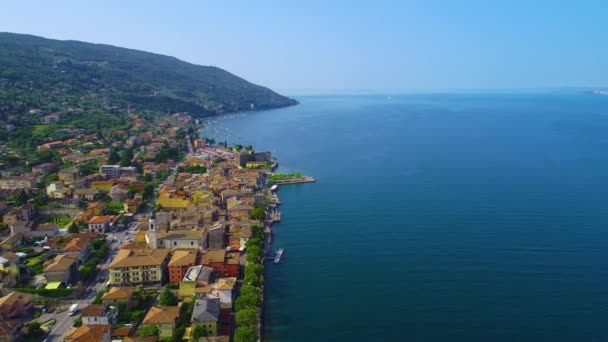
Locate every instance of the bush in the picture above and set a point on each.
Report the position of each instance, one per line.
(245, 334)
(54, 293)
(247, 317)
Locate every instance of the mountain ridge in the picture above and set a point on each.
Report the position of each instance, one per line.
(40, 71)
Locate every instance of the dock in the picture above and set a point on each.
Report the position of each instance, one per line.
(276, 258)
(304, 179)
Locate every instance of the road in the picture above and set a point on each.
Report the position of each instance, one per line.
(64, 320)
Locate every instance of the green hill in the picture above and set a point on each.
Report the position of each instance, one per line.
(54, 75)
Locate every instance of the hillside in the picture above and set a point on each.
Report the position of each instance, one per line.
(54, 75)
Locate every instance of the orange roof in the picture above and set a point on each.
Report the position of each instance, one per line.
(88, 333)
(100, 219)
(76, 245)
(93, 310)
(119, 293)
(161, 315)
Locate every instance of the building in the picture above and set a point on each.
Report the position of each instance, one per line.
(224, 264)
(217, 236)
(100, 224)
(23, 213)
(80, 247)
(165, 318)
(206, 314)
(224, 290)
(139, 266)
(85, 193)
(9, 263)
(196, 277)
(181, 239)
(68, 175)
(16, 304)
(43, 168)
(99, 314)
(61, 268)
(9, 330)
(179, 264)
(29, 229)
(115, 171)
(120, 295)
(89, 333)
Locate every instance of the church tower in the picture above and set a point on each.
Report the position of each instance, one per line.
(152, 231)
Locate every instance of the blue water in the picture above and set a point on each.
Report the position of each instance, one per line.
(438, 217)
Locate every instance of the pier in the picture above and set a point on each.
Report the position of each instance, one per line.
(304, 179)
(276, 258)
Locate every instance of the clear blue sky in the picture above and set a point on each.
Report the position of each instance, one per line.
(349, 45)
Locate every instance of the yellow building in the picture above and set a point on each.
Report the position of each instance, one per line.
(102, 185)
(172, 201)
(140, 266)
(164, 318)
(202, 197)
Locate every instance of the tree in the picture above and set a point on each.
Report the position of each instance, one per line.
(113, 157)
(148, 330)
(148, 190)
(254, 269)
(87, 271)
(245, 334)
(248, 148)
(258, 214)
(252, 279)
(252, 300)
(74, 228)
(83, 203)
(198, 332)
(247, 317)
(126, 156)
(78, 322)
(167, 298)
(254, 254)
(248, 290)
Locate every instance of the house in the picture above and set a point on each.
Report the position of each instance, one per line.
(97, 208)
(139, 266)
(22, 213)
(184, 239)
(89, 333)
(17, 182)
(195, 277)
(61, 268)
(85, 193)
(99, 314)
(120, 295)
(16, 304)
(68, 175)
(103, 185)
(180, 262)
(224, 290)
(9, 263)
(132, 205)
(51, 118)
(81, 247)
(217, 236)
(43, 168)
(206, 314)
(100, 224)
(12, 241)
(164, 318)
(224, 264)
(9, 330)
(118, 194)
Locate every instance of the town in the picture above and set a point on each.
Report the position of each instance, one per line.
(145, 234)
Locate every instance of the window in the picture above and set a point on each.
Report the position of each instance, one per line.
(174, 243)
(191, 243)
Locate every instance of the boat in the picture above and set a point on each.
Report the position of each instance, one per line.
(274, 187)
(278, 255)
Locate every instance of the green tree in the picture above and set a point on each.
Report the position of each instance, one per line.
(113, 157)
(254, 269)
(247, 317)
(245, 334)
(198, 332)
(74, 228)
(126, 156)
(258, 214)
(251, 300)
(167, 298)
(78, 322)
(249, 289)
(148, 190)
(148, 330)
(87, 271)
(252, 279)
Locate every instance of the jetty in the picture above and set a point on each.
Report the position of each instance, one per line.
(298, 180)
(275, 256)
